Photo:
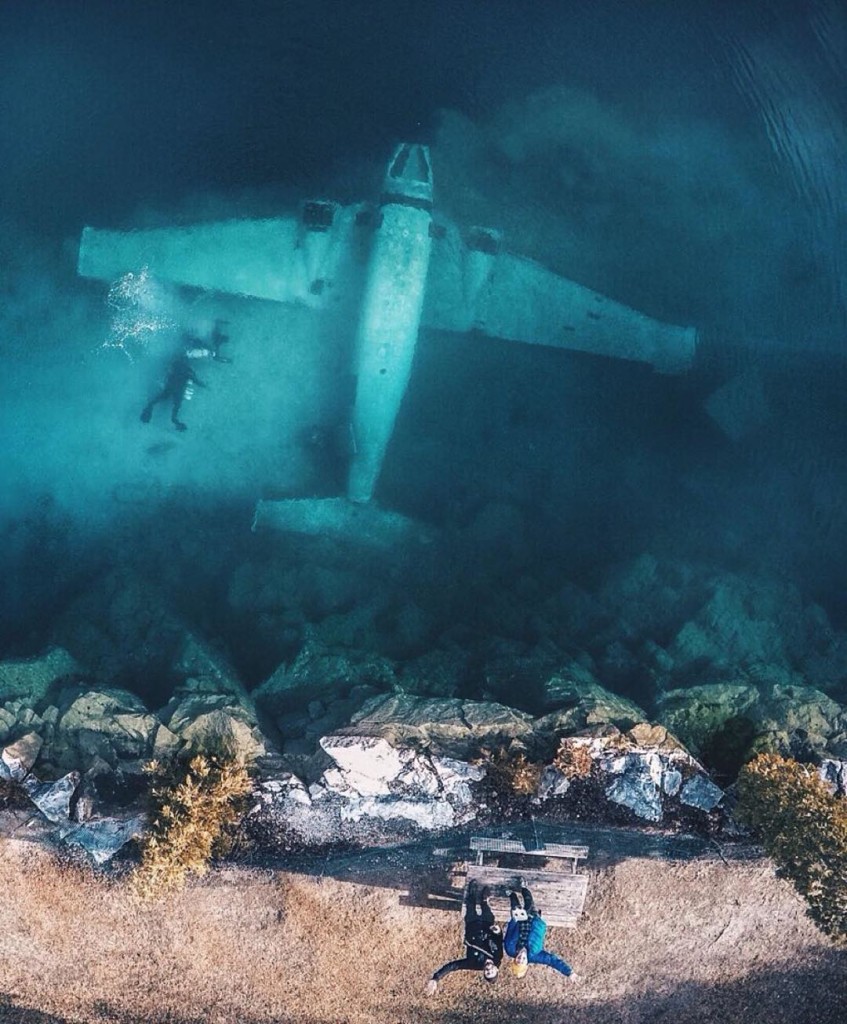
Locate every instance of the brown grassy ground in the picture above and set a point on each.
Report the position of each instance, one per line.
(661, 941)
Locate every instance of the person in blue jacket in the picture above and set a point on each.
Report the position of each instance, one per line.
(525, 934)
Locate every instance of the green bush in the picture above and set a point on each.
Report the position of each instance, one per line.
(193, 810)
(804, 829)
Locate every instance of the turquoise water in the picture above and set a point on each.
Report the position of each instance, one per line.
(684, 163)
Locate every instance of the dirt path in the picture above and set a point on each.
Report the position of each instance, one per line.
(661, 941)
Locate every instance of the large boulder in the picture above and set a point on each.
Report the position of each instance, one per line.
(802, 721)
(222, 724)
(700, 715)
(113, 725)
(733, 722)
(450, 726)
(582, 702)
(371, 790)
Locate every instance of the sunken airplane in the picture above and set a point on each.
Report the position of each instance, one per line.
(412, 272)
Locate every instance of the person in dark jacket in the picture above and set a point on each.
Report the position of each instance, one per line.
(525, 934)
(483, 940)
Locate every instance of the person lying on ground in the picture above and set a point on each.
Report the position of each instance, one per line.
(483, 940)
(525, 934)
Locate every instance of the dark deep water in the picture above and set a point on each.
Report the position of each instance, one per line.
(686, 162)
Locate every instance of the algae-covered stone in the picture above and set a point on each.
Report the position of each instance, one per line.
(318, 671)
(699, 714)
(452, 726)
(215, 724)
(111, 724)
(734, 722)
(33, 678)
(585, 703)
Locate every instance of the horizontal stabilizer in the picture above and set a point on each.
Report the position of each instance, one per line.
(341, 519)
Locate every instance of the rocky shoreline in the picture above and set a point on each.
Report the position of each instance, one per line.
(349, 745)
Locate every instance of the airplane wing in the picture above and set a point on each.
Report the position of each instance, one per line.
(474, 285)
(310, 259)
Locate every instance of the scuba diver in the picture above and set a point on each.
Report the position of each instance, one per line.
(179, 385)
(181, 379)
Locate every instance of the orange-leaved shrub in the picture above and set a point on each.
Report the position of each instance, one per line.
(803, 827)
(194, 807)
(511, 771)
(573, 759)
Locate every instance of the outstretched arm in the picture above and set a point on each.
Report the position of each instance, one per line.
(551, 960)
(465, 964)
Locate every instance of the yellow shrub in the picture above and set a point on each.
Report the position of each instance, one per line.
(192, 814)
(804, 829)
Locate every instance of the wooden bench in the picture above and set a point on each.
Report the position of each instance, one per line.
(484, 844)
(559, 896)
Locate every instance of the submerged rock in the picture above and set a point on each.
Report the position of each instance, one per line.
(319, 671)
(34, 678)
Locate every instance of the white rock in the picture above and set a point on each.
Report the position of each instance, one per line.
(53, 799)
(833, 774)
(428, 814)
(366, 764)
(637, 790)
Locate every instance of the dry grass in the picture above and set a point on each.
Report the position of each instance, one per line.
(698, 942)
